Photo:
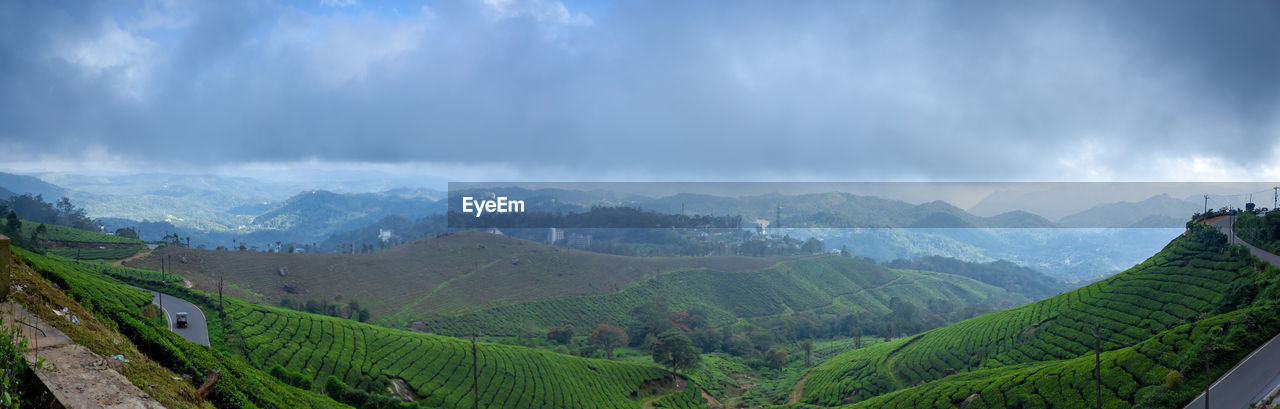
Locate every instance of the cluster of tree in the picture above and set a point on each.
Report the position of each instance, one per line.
(172, 239)
(761, 341)
(13, 230)
(127, 232)
(349, 310)
(765, 245)
(597, 217)
(372, 396)
(1263, 232)
(405, 230)
(35, 209)
(1001, 273)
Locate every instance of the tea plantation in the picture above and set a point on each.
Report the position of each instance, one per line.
(437, 368)
(830, 284)
(97, 288)
(1041, 354)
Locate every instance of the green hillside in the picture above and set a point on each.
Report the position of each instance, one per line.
(1040, 355)
(437, 368)
(66, 234)
(98, 288)
(823, 285)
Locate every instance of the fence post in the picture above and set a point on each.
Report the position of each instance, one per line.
(4, 267)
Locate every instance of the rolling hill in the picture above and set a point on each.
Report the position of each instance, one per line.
(829, 285)
(1039, 355)
(1156, 211)
(444, 274)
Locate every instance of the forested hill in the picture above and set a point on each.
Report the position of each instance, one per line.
(1000, 273)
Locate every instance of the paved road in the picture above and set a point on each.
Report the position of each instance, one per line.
(197, 330)
(1254, 375)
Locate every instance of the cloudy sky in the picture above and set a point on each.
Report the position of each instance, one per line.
(673, 90)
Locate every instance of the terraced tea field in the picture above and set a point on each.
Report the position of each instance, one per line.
(437, 368)
(829, 284)
(1144, 313)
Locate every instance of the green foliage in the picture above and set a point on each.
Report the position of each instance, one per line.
(1040, 355)
(365, 358)
(290, 377)
(561, 334)
(240, 385)
(689, 398)
(93, 253)
(1263, 232)
(65, 234)
(607, 337)
(674, 350)
(15, 375)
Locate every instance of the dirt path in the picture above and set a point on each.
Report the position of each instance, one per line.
(140, 254)
(797, 391)
(711, 402)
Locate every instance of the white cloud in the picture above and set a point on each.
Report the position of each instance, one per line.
(116, 55)
(339, 3)
(543, 11)
(341, 49)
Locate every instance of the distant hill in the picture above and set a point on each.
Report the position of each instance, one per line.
(402, 229)
(19, 184)
(6, 193)
(314, 215)
(1003, 274)
(1167, 211)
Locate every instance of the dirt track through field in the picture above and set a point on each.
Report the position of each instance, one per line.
(797, 391)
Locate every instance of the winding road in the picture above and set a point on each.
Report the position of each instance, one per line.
(197, 329)
(1259, 372)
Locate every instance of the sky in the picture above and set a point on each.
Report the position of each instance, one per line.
(425, 92)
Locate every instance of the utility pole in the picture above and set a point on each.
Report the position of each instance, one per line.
(475, 371)
(1205, 215)
(1275, 197)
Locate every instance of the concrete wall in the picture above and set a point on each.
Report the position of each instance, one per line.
(4, 267)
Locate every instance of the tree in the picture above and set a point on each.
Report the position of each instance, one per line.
(674, 350)
(127, 232)
(777, 358)
(607, 337)
(812, 246)
(807, 347)
(561, 334)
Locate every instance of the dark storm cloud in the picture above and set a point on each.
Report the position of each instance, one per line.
(835, 90)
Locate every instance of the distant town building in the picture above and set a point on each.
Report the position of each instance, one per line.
(494, 230)
(554, 235)
(385, 235)
(579, 240)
